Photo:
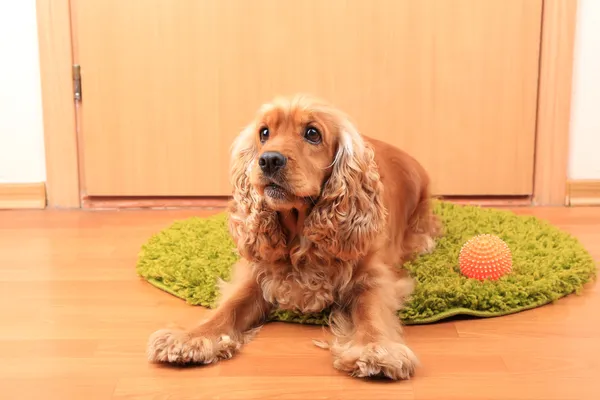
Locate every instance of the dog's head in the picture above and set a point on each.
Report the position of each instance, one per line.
(301, 152)
(295, 142)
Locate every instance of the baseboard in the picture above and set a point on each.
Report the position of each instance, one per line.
(111, 203)
(490, 201)
(583, 192)
(22, 195)
(220, 202)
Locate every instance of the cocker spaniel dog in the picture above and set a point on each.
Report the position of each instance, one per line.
(323, 218)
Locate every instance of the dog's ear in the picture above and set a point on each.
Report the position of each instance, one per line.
(350, 213)
(256, 231)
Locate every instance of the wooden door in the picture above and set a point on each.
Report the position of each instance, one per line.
(168, 84)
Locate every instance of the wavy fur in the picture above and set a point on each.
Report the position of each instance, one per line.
(353, 209)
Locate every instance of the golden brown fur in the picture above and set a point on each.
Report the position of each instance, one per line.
(328, 230)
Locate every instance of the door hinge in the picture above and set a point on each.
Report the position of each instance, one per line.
(77, 82)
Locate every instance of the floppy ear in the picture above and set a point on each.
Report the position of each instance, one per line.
(256, 231)
(350, 213)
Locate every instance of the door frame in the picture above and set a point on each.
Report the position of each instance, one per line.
(63, 169)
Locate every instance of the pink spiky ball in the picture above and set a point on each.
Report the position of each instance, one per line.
(485, 257)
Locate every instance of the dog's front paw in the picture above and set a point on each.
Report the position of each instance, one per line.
(180, 347)
(392, 360)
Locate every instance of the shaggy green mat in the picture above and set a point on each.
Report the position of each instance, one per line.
(186, 258)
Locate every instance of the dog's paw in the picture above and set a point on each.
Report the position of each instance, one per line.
(180, 347)
(392, 360)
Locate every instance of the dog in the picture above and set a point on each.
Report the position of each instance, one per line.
(323, 217)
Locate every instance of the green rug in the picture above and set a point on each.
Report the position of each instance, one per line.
(186, 259)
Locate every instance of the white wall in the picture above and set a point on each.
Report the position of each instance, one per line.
(584, 162)
(21, 129)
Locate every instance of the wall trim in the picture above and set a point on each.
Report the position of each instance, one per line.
(221, 202)
(554, 102)
(22, 195)
(120, 202)
(60, 135)
(583, 192)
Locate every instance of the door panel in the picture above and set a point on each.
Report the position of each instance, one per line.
(168, 84)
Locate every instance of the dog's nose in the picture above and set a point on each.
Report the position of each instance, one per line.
(271, 162)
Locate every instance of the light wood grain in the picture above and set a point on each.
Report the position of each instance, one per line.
(168, 85)
(22, 195)
(554, 102)
(60, 136)
(584, 192)
(75, 319)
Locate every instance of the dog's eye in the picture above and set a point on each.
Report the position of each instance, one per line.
(263, 134)
(312, 135)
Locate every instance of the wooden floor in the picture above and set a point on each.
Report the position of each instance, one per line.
(75, 319)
